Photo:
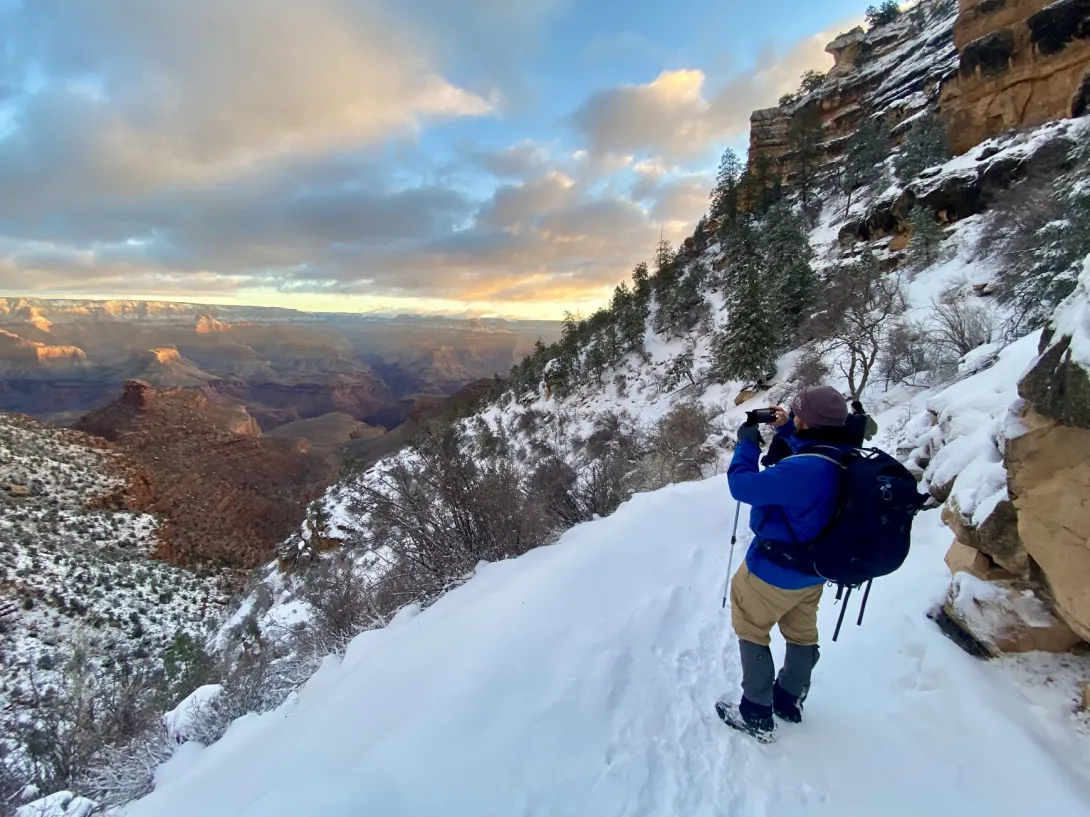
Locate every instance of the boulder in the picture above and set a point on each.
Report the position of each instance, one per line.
(745, 394)
(1005, 617)
(1057, 387)
(997, 536)
(962, 558)
(846, 50)
(1049, 481)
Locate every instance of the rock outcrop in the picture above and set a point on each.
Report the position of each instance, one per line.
(1038, 538)
(1002, 617)
(1022, 63)
(224, 494)
(207, 325)
(893, 71)
(1049, 463)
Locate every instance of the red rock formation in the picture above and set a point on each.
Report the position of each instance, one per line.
(207, 325)
(1023, 63)
(225, 495)
(893, 70)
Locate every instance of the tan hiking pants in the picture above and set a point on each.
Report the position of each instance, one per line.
(756, 606)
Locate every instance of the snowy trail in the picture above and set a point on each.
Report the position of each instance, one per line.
(579, 680)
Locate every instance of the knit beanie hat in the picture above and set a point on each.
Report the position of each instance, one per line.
(819, 406)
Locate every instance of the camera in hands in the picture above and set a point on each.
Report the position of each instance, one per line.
(758, 416)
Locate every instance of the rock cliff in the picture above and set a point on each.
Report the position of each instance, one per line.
(894, 71)
(1022, 63)
(1048, 465)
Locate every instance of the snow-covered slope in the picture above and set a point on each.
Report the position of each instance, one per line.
(74, 574)
(579, 679)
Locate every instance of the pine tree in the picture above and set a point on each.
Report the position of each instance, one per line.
(762, 185)
(927, 233)
(596, 361)
(804, 138)
(665, 282)
(811, 81)
(680, 367)
(186, 666)
(926, 145)
(726, 195)
(788, 256)
(747, 348)
(630, 308)
(884, 14)
(864, 156)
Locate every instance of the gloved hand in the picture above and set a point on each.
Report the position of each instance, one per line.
(750, 432)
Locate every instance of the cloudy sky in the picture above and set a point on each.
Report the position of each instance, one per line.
(511, 157)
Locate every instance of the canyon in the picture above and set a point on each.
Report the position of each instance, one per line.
(62, 358)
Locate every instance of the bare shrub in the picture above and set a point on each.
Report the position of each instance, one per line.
(13, 783)
(678, 447)
(553, 485)
(125, 773)
(960, 326)
(907, 357)
(853, 324)
(249, 685)
(441, 511)
(1040, 233)
(810, 369)
(65, 724)
(609, 428)
(603, 485)
(528, 420)
(341, 607)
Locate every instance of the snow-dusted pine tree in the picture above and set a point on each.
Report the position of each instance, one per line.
(787, 253)
(926, 145)
(747, 348)
(923, 248)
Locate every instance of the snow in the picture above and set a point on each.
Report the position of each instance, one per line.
(964, 446)
(58, 804)
(71, 572)
(1072, 318)
(579, 679)
(179, 720)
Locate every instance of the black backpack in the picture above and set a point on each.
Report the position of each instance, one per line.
(870, 531)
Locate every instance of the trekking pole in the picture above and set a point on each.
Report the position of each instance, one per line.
(863, 606)
(843, 607)
(730, 559)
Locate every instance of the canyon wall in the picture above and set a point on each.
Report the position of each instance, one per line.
(1022, 63)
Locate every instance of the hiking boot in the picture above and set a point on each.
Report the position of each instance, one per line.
(748, 717)
(786, 706)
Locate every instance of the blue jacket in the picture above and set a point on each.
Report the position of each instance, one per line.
(797, 491)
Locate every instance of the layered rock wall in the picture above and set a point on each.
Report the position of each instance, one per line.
(1022, 63)
(892, 71)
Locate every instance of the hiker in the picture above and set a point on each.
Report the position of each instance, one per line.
(862, 425)
(791, 501)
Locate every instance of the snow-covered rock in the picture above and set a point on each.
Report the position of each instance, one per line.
(179, 720)
(58, 804)
(1005, 618)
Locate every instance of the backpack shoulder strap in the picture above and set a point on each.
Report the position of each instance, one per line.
(829, 453)
(826, 452)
